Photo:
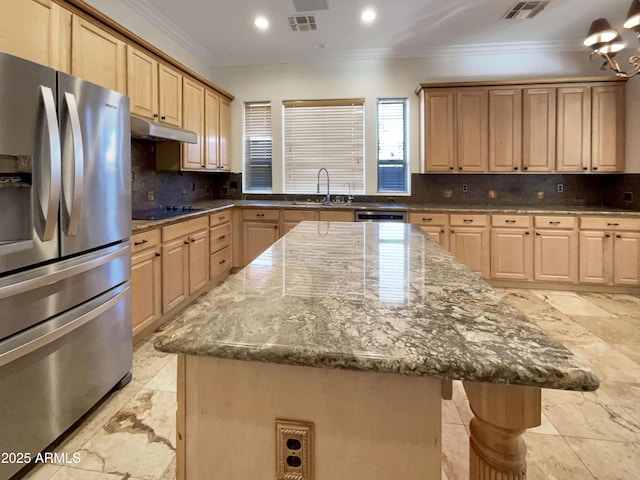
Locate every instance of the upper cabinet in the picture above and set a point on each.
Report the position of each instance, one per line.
(545, 127)
(217, 131)
(193, 119)
(155, 89)
(38, 30)
(97, 55)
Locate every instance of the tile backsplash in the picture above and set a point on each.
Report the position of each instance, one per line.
(154, 189)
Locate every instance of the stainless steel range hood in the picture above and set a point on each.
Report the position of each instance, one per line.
(148, 130)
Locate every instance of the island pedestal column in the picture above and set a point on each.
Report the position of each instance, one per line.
(501, 415)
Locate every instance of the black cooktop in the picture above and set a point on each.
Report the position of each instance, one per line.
(164, 212)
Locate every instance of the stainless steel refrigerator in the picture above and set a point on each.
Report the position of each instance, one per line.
(65, 258)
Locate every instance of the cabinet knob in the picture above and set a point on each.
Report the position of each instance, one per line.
(613, 224)
(192, 239)
(595, 168)
(452, 231)
(155, 115)
(186, 242)
(222, 261)
(222, 237)
(467, 220)
(515, 168)
(163, 117)
(158, 254)
(450, 168)
(259, 214)
(525, 168)
(618, 236)
(510, 221)
(427, 219)
(538, 234)
(526, 233)
(459, 168)
(442, 231)
(554, 223)
(585, 168)
(607, 235)
(222, 217)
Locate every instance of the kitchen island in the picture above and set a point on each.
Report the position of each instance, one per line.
(354, 327)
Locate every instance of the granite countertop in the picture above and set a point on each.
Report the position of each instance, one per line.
(372, 297)
(210, 206)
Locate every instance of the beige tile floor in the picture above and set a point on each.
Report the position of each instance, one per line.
(583, 436)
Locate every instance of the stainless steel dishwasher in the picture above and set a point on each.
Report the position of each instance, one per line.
(380, 216)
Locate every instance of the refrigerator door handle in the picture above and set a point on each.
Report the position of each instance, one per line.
(33, 345)
(78, 164)
(53, 133)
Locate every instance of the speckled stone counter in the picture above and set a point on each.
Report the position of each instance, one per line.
(377, 297)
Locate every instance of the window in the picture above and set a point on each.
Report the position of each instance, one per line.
(392, 145)
(257, 147)
(324, 134)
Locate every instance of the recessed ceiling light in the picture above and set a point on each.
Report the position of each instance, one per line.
(368, 15)
(262, 23)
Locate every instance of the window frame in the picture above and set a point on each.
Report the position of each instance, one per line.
(385, 163)
(257, 134)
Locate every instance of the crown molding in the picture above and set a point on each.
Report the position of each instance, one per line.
(165, 25)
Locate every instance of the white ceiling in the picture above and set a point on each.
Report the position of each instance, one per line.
(222, 33)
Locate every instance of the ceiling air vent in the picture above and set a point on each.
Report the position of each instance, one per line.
(522, 10)
(302, 23)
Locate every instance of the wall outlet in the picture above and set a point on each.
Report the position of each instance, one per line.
(294, 450)
(465, 187)
(560, 187)
(627, 197)
(540, 195)
(151, 196)
(447, 193)
(493, 194)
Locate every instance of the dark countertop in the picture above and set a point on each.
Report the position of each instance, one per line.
(372, 297)
(211, 206)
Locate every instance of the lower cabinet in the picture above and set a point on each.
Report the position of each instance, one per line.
(470, 241)
(146, 280)
(290, 218)
(511, 247)
(220, 251)
(555, 249)
(435, 224)
(610, 251)
(185, 261)
(260, 230)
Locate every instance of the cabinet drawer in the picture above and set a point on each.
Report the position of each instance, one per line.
(609, 223)
(219, 217)
(142, 241)
(511, 221)
(220, 262)
(458, 220)
(183, 229)
(428, 218)
(564, 222)
(219, 237)
(259, 214)
(336, 216)
(300, 215)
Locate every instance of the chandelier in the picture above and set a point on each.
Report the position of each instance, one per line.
(606, 42)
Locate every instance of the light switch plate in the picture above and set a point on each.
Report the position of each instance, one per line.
(294, 450)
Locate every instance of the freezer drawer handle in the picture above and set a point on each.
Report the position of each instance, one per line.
(55, 160)
(78, 165)
(40, 342)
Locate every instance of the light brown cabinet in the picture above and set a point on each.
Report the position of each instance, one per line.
(155, 89)
(470, 242)
(97, 55)
(217, 132)
(505, 129)
(193, 119)
(146, 280)
(185, 261)
(472, 134)
(607, 128)
(438, 130)
(260, 230)
(538, 129)
(610, 250)
(435, 224)
(555, 249)
(38, 30)
(220, 245)
(335, 216)
(511, 247)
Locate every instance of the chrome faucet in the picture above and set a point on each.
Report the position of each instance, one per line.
(349, 197)
(328, 198)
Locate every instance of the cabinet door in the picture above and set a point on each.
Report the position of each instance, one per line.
(98, 56)
(626, 259)
(211, 129)
(556, 256)
(472, 132)
(505, 130)
(607, 131)
(573, 134)
(170, 99)
(439, 145)
(146, 303)
(38, 30)
(335, 216)
(198, 260)
(142, 83)
(511, 254)
(224, 135)
(257, 237)
(439, 234)
(539, 129)
(595, 257)
(471, 247)
(175, 273)
(193, 119)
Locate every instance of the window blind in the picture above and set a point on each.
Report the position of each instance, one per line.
(257, 147)
(392, 141)
(324, 134)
